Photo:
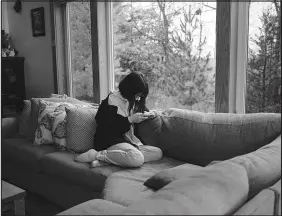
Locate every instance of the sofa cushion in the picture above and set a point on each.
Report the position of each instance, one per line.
(59, 129)
(80, 129)
(24, 153)
(162, 178)
(126, 186)
(149, 131)
(43, 133)
(263, 166)
(9, 127)
(62, 164)
(216, 193)
(94, 207)
(199, 138)
(35, 108)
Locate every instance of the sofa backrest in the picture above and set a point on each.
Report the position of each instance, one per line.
(200, 138)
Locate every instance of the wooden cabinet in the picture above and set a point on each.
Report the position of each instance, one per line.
(12, 85)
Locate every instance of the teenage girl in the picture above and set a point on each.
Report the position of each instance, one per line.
(114, 140)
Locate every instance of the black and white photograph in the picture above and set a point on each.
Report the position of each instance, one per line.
(140, 107)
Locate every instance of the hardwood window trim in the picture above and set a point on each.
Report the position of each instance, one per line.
(242, 56)
(223, 21)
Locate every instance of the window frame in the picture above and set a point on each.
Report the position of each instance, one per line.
(232, 56)
(231, 53)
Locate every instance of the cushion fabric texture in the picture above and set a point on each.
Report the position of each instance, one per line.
(9, 127)
(263, 166)
(94, 207)
(24, 118)
(35, 108)
(215, 192)
(80, 128)
(61, 164)
(59, 129)
(24, 153)
(261, 204)
(204, 137)
(126, 186)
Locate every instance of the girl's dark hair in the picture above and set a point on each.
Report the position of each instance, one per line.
(131, 85)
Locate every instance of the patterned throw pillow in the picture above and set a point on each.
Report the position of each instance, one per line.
(43, 133)
(59, 128)
(64, 96)
(52, 121)
(35, 104)
(80, 128)
(24, 118)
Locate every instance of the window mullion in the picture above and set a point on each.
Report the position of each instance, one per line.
(242, 56)
(238, 56)
(110, 48)
(68, 52)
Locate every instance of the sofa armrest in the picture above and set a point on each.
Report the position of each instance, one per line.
(9, 127)
(276, 188)
(262, 204)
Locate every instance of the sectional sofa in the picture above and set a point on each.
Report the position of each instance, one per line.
(213, 164)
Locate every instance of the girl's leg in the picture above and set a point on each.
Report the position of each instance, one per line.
(151, 153)
(122, 154)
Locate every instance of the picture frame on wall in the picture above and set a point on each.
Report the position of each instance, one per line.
(38, 22)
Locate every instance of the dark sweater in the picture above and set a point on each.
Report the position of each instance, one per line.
(111, 126)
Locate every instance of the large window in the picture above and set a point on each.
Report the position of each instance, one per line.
(173, 45)
(204, 56)
(264, 58)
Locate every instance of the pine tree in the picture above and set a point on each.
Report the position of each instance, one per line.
(175, 67)
(264, 68)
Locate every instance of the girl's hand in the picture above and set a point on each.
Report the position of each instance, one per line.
(137, 118)
(149, 114)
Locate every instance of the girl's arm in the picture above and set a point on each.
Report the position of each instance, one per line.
(108, 118)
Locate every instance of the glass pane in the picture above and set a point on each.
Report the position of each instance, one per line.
(81, 51)
(173, 45)
(264, 58)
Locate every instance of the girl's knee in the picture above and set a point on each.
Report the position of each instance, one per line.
(136, 158)
(159, 153)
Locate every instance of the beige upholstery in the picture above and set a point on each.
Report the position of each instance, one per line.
(126, 187)
(263, 166)
(261, 204)
(24, 153)
(214, 193)
(94, 207)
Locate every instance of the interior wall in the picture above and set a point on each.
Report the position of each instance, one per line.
(4, 17)
(37, 51)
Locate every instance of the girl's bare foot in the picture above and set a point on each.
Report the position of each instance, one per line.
(87, 157)
(97, 163)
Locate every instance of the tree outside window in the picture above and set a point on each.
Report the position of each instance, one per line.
(264, 61)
